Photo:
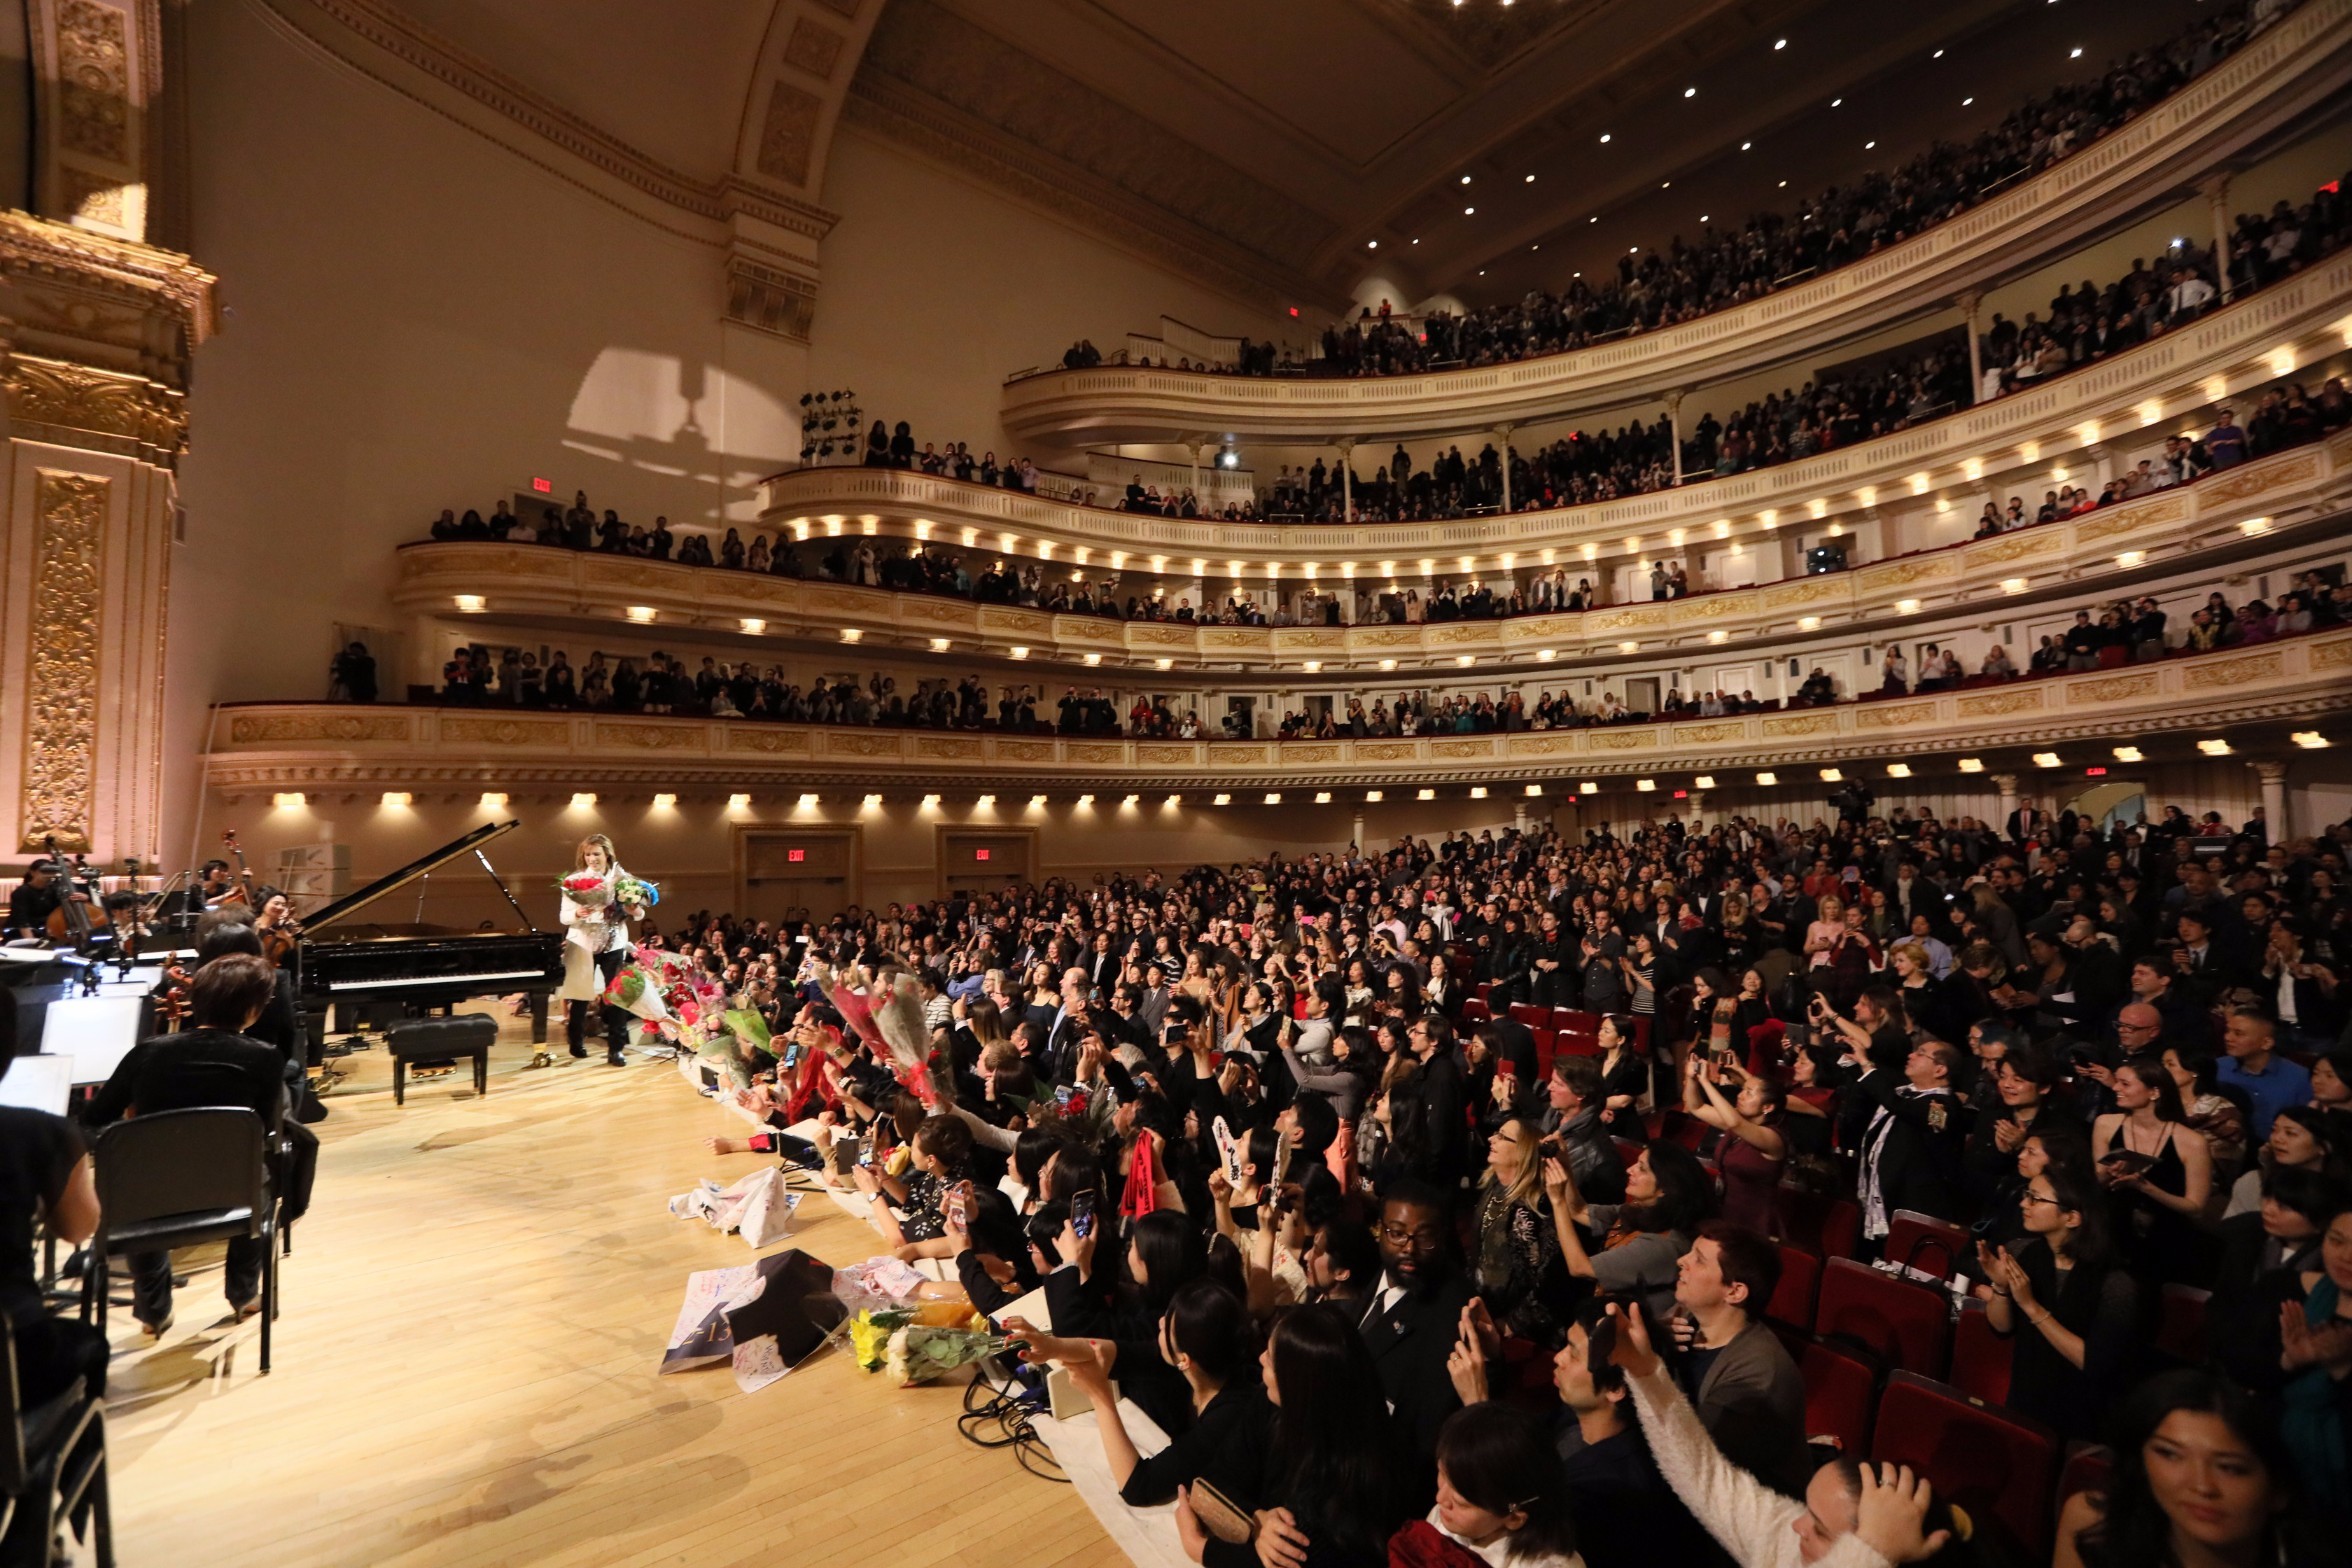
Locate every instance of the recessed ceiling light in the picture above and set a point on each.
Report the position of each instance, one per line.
(1784, 185)
(2074, 54)
(1595, 218)
(1834, 102)
(1535, 247)
(1466, 211)
(1693, 92)
(1779, 43)
(1873, 142)
(1938, 55)
(1665, 185)
(1482, 272)
(1965, 102)
(1604, 138)
(1703, 217)
(1530, 179)
(1465, 179)
(1744, 146)
(1371, 244)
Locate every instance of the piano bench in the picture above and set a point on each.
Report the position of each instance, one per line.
(441, 1040)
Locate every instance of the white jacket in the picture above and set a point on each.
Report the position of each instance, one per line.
(1754, 1523)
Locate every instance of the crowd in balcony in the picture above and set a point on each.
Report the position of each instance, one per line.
(1661, 286)
(1618, 1197)
(2122, 632)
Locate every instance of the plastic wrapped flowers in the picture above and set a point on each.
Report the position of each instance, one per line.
(585, 888)
(685, 1005)
(911, 1345)
(636, 892)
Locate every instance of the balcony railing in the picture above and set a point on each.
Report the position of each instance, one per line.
(334, 749)
(2274, 82)
(2170, 382)
(2276, 495)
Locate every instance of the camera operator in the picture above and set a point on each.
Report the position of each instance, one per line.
(1853, 803)
(1914, 1144)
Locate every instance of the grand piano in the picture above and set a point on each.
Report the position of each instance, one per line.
(378, 971)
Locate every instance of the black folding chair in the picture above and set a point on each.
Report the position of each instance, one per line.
(179, 1178)
(52, 1465)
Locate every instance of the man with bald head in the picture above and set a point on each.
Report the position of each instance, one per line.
(2139, 1028)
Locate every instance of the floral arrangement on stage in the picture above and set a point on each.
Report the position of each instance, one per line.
(636, 892)
(904, 1347)
(683, 1004)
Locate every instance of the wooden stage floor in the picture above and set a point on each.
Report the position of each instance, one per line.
(464, 1371)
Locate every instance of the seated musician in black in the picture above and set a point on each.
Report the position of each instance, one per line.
(212, 1062)
(34, 900)
(44, 1177)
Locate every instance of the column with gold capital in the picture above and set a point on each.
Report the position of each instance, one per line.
(92, 386)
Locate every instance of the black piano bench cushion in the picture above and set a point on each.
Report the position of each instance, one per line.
(441, 1040)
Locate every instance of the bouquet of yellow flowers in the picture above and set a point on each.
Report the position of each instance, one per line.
(912, 1345)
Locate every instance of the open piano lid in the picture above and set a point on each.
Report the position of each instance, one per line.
(351, 903)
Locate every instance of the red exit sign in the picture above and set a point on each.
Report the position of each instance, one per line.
(793, 857)
(543, 486)
(982, 854)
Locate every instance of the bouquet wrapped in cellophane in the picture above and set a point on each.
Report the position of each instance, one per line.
(912, 1345)
(685, 1005)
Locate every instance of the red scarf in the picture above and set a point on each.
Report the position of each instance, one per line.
(1141, 1195)
(1421, 1545)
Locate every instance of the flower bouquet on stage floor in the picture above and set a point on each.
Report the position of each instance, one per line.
(912, 1345)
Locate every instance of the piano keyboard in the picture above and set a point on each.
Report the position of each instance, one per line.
(420, 981)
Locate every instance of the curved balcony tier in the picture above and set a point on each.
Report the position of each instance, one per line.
(2277, 82)
(2171, 380)
(2275, 500)
(2253, 697)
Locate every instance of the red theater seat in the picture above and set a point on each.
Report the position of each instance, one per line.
(1906, 1324)
(1800, 1282)
(1934, 1246)
(1841, 1396)
(1994, 1464)
(2180, 1323)
(1980, 1357)
(1824, 1226)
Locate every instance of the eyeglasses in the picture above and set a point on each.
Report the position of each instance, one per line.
(2035, 1197)
(1426, 1239)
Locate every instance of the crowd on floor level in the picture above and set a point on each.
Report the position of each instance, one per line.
(481, 674)
(1538, 1199)
(1659, 287)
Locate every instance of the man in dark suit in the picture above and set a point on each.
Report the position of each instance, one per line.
(1914, 1145)
(2027, 820)
(1414, 1314)
(211, 1063)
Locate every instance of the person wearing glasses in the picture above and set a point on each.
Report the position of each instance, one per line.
(2071, 1309)
(1410, 1321)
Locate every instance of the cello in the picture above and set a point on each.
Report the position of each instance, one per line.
(77, 914)
(242, 893)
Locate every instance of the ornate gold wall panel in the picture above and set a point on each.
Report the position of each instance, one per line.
(62, 674)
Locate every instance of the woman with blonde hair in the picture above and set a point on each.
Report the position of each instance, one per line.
(1827, 933)
(596, 945)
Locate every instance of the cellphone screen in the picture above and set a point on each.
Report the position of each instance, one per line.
(1507, 1067)
(1082, 1214)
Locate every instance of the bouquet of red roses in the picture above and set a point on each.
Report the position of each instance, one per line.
(587, 889)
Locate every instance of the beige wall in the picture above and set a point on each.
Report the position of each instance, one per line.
(691, 848)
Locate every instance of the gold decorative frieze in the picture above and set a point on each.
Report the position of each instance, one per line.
(1096, 751)
(947, 746)
(1618, 740)
(1148, 755)
(1383, 750)
(1800, 724)
(1893, 716)
(1992, 704)
(2231, 672)
(98, 410)
(860, 743)
(261, 729)
(457, 730)
(2224, 489)
(62, 660)
(2115, 688)
(1708, 734)
(770, 742)
(1024, 751)
(646, 737)
(1295, 751)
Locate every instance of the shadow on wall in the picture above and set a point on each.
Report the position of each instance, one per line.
(657, 413)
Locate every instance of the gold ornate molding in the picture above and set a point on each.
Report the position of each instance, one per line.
(63, 660)
(97, 410)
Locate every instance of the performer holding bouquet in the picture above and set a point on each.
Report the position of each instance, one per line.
(599, 899)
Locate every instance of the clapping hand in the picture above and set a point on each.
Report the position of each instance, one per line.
(2307, 1345)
